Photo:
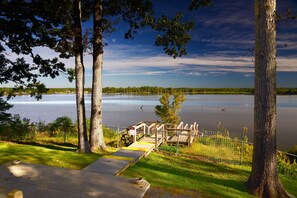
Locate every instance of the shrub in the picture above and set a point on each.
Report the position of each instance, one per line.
(41, 126)
(61, 124)
(285, 167)
(18, 129)
(168, 148)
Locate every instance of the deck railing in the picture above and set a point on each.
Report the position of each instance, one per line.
(166, 133)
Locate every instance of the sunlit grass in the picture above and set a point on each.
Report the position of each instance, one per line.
(173, 172)
(176, 173)
(48, 154)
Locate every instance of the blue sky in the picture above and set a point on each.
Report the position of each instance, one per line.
(218, 54)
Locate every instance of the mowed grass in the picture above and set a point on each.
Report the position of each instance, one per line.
(178, 174)
(173, 173)
(59, 155)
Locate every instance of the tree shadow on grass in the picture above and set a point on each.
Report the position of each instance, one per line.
(53, 146)
(203, 180)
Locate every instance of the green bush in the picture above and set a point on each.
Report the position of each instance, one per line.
(17, 129)
(108, 133)
(41, 126)
(168, 148)
(61, 124)
(285, 166)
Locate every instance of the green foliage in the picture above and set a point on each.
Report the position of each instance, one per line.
(195, 4)
(167, 148)
(285, 166)
(4, 106)
(175, 36)
(167, 111)
(157, 90)
(108, 133)
(61, 124)
(19, 35)
(41, 126)
(17, 129)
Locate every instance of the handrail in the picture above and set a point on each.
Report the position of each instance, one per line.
(180, 125)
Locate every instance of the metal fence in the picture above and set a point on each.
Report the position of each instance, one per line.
(224, 146)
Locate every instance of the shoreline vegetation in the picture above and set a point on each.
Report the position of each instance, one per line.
(147, 90)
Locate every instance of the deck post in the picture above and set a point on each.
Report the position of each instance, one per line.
(189, 137)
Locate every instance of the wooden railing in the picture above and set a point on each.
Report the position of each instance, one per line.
(164, 133)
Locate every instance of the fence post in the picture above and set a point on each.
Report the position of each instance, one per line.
(189, 138)
(118, 135)
(241, 148)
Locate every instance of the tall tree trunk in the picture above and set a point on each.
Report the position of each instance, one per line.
(83, 145)
(264, 181)
(96, 132)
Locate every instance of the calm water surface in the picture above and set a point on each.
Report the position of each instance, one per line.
(233, 111)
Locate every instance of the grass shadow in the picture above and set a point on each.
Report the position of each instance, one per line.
(192, 174)
(52, 145)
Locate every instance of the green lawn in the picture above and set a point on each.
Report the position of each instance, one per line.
(59, 155)
(169, 172)
(213, 179)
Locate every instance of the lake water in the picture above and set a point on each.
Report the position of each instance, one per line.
(233, 111)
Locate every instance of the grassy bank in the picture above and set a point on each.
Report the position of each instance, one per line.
(180, 175)
(177, 175)
(54, 154)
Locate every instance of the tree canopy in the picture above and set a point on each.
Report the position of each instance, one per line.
(24, 26)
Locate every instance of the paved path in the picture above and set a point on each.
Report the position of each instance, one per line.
(96, 180)
(42, 181)
(119, 161)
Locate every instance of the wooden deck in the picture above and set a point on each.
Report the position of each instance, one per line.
(180, 134)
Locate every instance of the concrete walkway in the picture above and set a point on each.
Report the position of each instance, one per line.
(42, 181)
(119, 161)
(96, 180)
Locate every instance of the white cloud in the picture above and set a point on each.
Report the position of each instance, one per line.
(140, 60)
(191, 65)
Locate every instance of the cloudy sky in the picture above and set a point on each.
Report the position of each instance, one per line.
(218, 56)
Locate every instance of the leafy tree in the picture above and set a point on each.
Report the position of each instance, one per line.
(4, 106)
(63, 124)
(173, 36)
(21, 30)
(17, 129)
(57, 25)
(167, 111)
(264, 180)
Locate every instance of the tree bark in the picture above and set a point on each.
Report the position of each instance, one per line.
(264, 180)
(83, 145)
(96, 132)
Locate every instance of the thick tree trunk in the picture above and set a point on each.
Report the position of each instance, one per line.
(83, 144)
(264, 181)
(96, 132)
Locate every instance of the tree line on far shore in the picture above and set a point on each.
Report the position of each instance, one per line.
(157, 90)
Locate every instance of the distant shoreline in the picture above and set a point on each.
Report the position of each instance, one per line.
(146, 90)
